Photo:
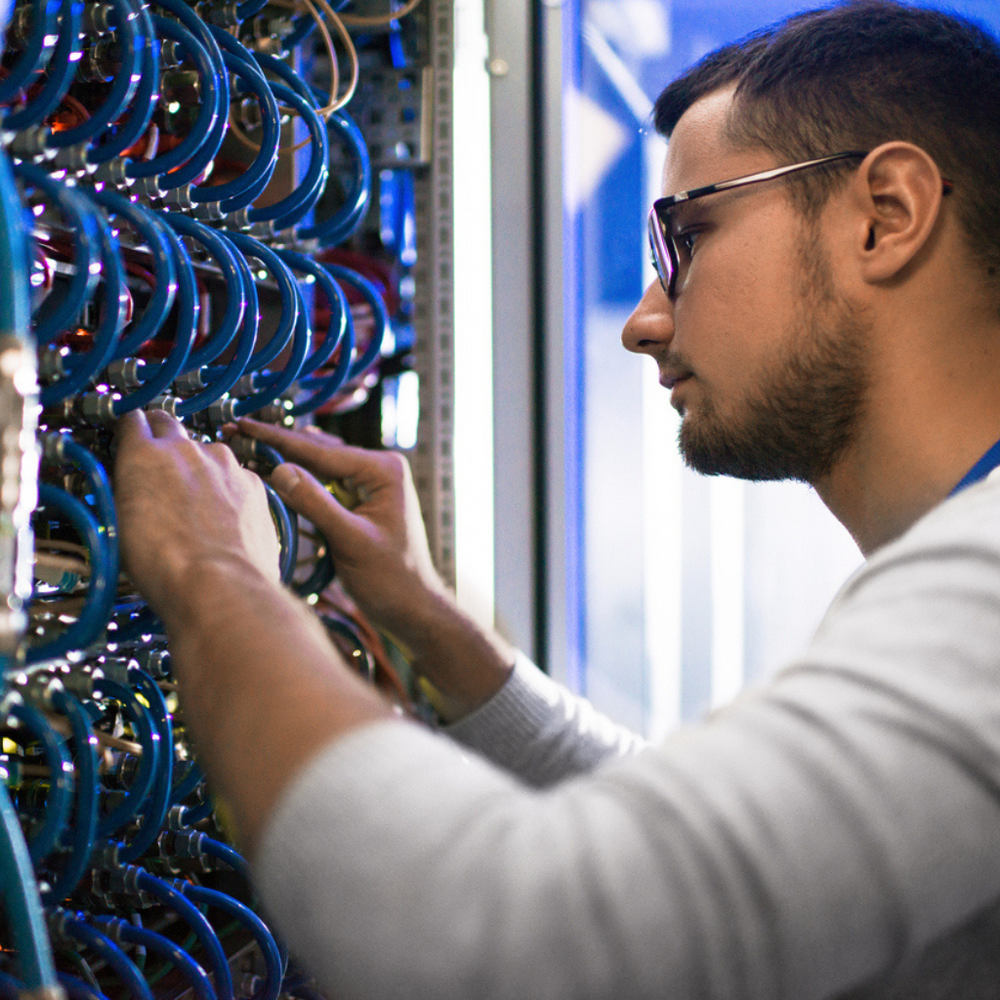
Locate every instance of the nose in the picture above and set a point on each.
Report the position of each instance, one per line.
(650, 328)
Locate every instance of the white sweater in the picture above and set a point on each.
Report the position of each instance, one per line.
(836, 830)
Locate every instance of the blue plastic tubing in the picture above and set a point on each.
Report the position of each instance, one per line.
(154, 809)
(83, 831)
(123, 85)
(100, 488)
(273, 965)
(243, 190)
(291, 209)
(60, 797)
(36, 52)
(99, 602)
(202, 929)
(22, 903)
(144, 778)
(340, 310)
(54, 316)
(194, 150)
(61, 70)
(143, 104)
(372, 296)
(76, 927)
(339, 226)
(81, 368)
(221, 249)
(201, 985)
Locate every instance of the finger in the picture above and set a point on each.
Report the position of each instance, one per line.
(320, 453)
(131, 429)
(307, 496)
(162, 425)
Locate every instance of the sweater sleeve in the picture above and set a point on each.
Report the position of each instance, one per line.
(807, 838)
(539, 731)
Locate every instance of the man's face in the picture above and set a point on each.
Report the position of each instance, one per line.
(765, 361)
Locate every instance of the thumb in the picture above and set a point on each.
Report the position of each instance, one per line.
(307, 496)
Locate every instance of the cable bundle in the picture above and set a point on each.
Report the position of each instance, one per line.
(176, 189)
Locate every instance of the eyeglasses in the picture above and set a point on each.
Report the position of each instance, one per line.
(670, 248)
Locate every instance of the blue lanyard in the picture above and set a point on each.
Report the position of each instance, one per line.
(980, 470)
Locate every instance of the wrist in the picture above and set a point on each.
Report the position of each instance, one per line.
(464, 664)
(189, 588)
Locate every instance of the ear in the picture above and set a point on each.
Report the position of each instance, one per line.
(899, 190)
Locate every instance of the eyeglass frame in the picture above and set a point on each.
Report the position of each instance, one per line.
(666, 256)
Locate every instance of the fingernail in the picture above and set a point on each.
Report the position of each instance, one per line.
(285, 478)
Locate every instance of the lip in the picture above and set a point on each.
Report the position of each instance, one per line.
(670, 379)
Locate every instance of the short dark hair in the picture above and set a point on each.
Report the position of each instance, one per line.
(855, 75)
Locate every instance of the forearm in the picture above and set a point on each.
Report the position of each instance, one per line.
(262, 688)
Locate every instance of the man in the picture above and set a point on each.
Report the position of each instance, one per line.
(836, 833)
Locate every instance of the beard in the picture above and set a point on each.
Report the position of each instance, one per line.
(801, 415)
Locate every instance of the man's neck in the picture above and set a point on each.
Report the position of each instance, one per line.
(899, 470)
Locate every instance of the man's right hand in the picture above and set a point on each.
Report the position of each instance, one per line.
(380, 550)
(378, 541)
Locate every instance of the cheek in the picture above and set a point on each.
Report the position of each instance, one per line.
(740, 304)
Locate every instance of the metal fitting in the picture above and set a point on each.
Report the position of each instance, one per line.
(113, 172)
(168, 404)
(190, 382)
(124, 373)
(73, 159)
(31, 143)
(97, 407)
(97, 19)
(156, 663)
(209, 211)
(179, 198)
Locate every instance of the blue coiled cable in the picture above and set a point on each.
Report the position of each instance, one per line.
(250, 8)
(221, 250)
(273, 964)
(142, 782)
(194, 150)
(37, 49)
(83, 832)
(243, 190)
(99, 602)
(154, 809)
(192, 779)
(63, 447)
(60, 797)
(287, 289)
(342, 224)
(197, 978)
(288, 534)
(58, 313)
(82, 367)
(374, 299)
(22, 903)
(291, 209)
(74, 925)
(222, 378)
(195, 919)
(198, 29)
(340, 312)
(228, 855)
(123, 84)
(77, 989)
(269, 385)
(148, 225)
(143, 103)
(61, 70)
(15, 303)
